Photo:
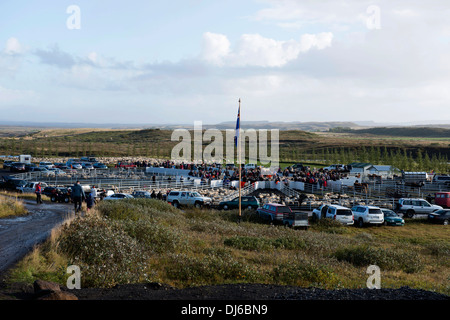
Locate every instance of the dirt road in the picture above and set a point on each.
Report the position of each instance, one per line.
(18, 235)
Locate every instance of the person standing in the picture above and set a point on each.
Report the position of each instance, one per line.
(78, 196)
(93, 194)
(38, 191)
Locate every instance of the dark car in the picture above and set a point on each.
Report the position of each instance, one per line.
(30, 166)
(99, 165)
(142, 194)
(247, 202)
(17, 167)
(391, 218)
(440, 217)
(11, 184)
(7, 164)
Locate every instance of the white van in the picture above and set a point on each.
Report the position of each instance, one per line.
(46, 164)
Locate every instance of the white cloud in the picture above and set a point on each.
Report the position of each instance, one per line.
(13, 47)
(256, 50)
(215, 47)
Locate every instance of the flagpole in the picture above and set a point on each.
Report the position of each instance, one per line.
(240, 166)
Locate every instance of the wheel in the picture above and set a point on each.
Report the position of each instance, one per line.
(249, 207)
(176, 204)
(446, 222)
(53, 199)
(66, 199)
(360, 223)
(409, 213)
(198, 205)
(225, 207)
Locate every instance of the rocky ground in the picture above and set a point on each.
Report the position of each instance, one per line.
(42, 290)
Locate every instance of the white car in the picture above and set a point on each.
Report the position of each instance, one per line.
(76, 165)
(30, 187)
(409, 207)
(188, 198)
(119, 196)
(368, 215)
(336, 212)
(46, 164)
(56, 171)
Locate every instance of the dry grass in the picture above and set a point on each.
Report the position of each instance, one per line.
(11, 207)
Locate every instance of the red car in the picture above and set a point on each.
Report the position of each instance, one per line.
(125, 165)
(442, 199)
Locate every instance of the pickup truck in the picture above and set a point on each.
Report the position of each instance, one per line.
(188, 198)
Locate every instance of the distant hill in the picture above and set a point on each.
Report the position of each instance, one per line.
(416, 131)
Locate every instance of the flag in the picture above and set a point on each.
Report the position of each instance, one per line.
(236, 136)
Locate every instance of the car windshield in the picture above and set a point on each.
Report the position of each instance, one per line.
(195, 194)
(390, 214)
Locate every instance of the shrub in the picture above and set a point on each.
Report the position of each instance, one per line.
(385, 259)
(212, 268)
(106, 254)
(259, 243)
(154, 236)
(330, 226)
(299, 273)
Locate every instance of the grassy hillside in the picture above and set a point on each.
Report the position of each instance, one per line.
(144, 240)
(294, 145)
(415, 132)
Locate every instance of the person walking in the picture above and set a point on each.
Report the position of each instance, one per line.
(78, 196)
(38, 191)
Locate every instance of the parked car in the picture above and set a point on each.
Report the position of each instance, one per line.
(440, 216)
(296, 220)
(46, 164)
(391, 218)
(337, 167)
(30, 187)
(87, 165)
(17, 167)
(336, 212)
(76, 165)
(99, 165)
(56, 171)
(28, 166)
(442, 199)
(367, 215)
(11, 183)
(273, 212)
(118, 196)
(141, 194)
(188, 198)
(7, 164)
(409, 207)
(247, 202)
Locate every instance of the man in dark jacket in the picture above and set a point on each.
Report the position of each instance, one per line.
(78, 196)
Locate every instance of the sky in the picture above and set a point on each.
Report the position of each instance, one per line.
(180, 61)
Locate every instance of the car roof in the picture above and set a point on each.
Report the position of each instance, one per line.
(338, 206)
(277, 205)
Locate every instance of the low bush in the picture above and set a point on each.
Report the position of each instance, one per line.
(305, 274)
(408, 261)
(104, 251)
(259, 243)
(212, 268)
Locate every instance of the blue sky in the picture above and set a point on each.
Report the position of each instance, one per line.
(185, 61)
